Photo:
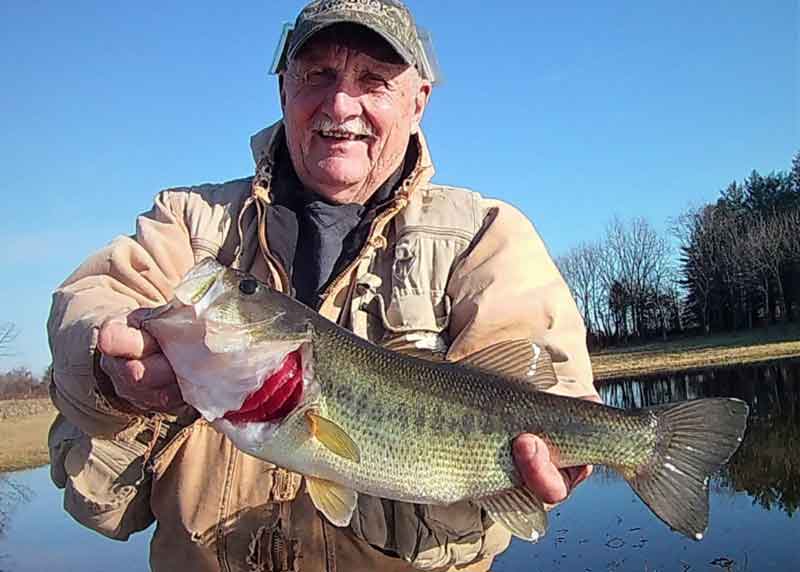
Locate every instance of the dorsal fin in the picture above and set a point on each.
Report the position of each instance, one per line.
(521, 359)
(427, 346)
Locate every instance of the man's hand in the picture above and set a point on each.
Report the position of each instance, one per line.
(140, 373)
(549, 483)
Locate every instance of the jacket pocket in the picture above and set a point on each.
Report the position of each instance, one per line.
(408, 302)
(428, 537)
(61, 439)
(107, 487)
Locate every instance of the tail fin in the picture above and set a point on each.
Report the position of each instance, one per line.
(694, 439)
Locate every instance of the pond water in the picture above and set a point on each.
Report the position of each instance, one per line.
(39, 535)
(754, 522)
(754, 525)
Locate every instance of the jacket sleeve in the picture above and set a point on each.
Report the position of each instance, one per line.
(506, 287)
(131, 272)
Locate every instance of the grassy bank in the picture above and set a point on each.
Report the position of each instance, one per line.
(23, 433)
(750, 347)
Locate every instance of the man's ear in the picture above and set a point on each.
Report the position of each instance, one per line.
(281, 92)
(420, 103)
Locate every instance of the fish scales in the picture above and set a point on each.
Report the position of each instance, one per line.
(437, 459)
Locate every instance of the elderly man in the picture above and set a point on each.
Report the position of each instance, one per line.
(342, 214)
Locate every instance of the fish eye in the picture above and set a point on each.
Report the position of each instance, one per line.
(248, 286)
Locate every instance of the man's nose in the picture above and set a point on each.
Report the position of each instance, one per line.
(343, 103)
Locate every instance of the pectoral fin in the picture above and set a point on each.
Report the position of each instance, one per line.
(517, 510)
(333, 437)
(334, 501)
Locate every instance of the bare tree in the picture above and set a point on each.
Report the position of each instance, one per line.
(697, 232)
(8, 334)
(664, 293)
(735, 266)
(12, 494)
(20, 383)
(787, 226)
(580, 268)
(639, 257)
(767, 255)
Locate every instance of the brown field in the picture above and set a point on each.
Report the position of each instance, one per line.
(10, 408)
(755, 346)
(23, 433)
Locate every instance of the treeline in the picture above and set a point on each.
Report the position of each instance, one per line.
(740, 257)
(737, 266)
(20, 383)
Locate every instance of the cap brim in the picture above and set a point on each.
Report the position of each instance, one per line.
(306, 35)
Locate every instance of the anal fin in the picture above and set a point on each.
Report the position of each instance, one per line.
(518, 510)
(334, 501)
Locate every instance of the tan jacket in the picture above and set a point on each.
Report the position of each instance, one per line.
(442, 266)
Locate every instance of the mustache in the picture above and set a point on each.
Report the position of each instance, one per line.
(356, 126)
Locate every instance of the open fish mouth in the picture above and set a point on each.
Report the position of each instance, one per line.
(243, 387)
(225, 366)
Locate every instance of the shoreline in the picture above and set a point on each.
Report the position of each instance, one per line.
(753, 347)
(658, 374)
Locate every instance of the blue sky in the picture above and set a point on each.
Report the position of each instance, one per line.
(573, 111)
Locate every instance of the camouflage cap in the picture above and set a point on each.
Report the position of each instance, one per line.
(390, 19)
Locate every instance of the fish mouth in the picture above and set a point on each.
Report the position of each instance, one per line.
(280, 393)
(198, 289)
(202, 284)
(224, 367)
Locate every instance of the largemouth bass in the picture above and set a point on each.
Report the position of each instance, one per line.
(290, 387)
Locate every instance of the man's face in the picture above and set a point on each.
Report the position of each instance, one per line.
(349, 106)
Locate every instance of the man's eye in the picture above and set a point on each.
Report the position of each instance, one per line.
(319, 77)
(374, 80)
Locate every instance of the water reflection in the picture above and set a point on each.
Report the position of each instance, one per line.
(767, 465)
(12, 494)
(41, 536)
(754, 500)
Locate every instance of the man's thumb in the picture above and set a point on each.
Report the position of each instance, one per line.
(120, 337)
